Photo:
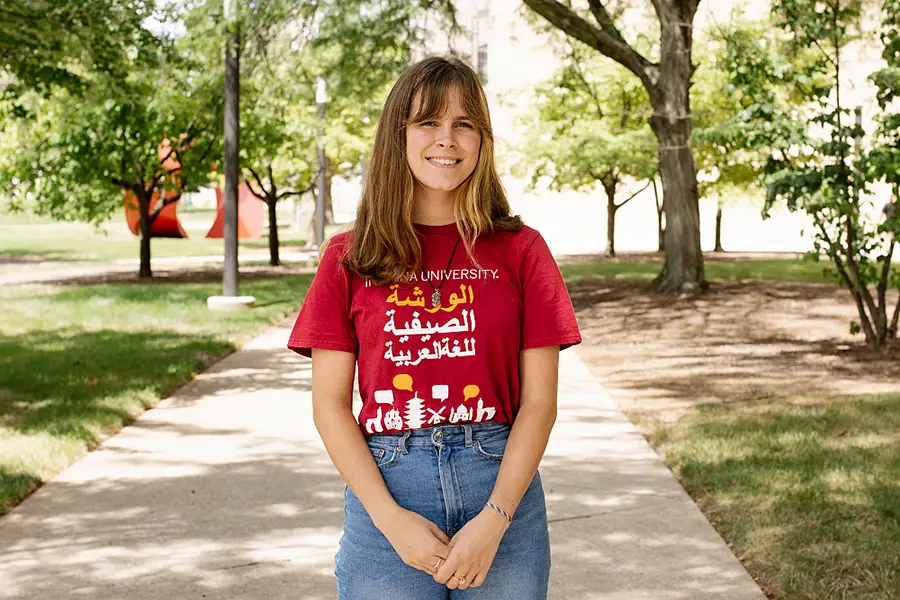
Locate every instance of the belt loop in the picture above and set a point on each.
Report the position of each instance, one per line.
(401, 443)
(468, 430)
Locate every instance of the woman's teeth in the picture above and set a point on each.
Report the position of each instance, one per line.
(445, 162)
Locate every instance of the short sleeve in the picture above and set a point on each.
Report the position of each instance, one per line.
(324, 319)
(548, 318)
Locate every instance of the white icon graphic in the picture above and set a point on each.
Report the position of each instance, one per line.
(415, 415)
(484, 414)
(437, 417)
(384, 396)
(461, 414)
(374, 424)
(392, 420)
(440, 392)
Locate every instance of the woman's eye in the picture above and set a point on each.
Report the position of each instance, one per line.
(469, 125)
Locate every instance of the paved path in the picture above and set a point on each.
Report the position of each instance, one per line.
(225, 491)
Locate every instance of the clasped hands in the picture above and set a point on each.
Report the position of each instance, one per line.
(459, 563)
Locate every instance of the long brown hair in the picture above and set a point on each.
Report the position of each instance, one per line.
(385, 248)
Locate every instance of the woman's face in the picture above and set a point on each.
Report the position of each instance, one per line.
(442, 152)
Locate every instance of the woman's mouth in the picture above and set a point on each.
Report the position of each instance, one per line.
(444, 162)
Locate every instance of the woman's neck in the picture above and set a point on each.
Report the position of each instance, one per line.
(435, 208)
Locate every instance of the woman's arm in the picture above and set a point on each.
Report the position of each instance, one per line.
(418, 541)
(538, 379)
(474, 547)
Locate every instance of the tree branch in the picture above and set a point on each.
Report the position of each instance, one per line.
(895, 321)
(612, 46)
(265, 192)
(861, 287)
(256, 194)
(866, 325)
(307, 189)
(576, 67)
(605, 21)
(631, 197)
(885, 276)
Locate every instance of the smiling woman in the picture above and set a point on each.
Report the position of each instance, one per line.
(441, 462)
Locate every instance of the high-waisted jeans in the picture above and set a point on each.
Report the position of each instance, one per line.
(446, 474)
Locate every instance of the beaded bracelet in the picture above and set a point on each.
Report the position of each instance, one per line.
(501, 511)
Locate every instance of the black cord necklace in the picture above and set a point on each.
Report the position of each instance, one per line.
(436, 295)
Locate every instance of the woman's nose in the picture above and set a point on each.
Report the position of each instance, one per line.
(446, 138)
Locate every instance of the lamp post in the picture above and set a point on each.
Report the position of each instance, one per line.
(232, 148)
(321, 99)
(229, 298)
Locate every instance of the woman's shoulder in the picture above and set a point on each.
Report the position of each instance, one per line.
(517, 241)
(337, 245)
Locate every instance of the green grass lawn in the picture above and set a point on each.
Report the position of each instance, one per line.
(806, 489)
(80, 362)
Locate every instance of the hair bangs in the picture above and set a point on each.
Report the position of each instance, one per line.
(430, 98)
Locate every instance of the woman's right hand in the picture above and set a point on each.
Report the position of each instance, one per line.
(418, 541)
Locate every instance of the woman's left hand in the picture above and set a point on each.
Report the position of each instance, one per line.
(472, 551)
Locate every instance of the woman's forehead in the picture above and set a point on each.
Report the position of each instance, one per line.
(450, 103)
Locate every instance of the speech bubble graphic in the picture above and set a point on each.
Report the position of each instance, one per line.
(403, 382)
(470, 391)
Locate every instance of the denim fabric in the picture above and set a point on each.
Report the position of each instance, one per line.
(446, 474)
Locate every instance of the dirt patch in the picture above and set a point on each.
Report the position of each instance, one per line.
(659, 354)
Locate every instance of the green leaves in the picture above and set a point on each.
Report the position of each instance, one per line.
(75, 154)
(45, 44)
(591, 125)
(832, 168)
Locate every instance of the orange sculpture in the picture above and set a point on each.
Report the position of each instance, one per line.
(251, 215)
(166, 223)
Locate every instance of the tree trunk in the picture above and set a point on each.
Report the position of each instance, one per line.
(660, 214)
(274, 259)
(668, 86)
(144, 212)
(311, 226)
(718, 247)
(329, 210)
(671, 122)
(329, 214)
(611, 209)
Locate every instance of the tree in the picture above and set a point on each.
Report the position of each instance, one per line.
(76, 156)
(829, 175)
(667, 84)
(46, 44)
(608, 142)
(741, 99)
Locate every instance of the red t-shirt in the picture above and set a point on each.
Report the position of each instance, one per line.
(422, 365)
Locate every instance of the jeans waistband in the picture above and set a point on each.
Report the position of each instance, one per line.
(440, 434)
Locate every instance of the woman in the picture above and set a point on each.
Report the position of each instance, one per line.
(454, 312)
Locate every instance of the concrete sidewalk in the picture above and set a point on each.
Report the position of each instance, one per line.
(225, 491)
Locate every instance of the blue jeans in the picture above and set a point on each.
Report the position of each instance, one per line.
(446, 474)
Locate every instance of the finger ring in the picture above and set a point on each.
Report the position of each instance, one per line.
(438, 565)
(461, 580)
